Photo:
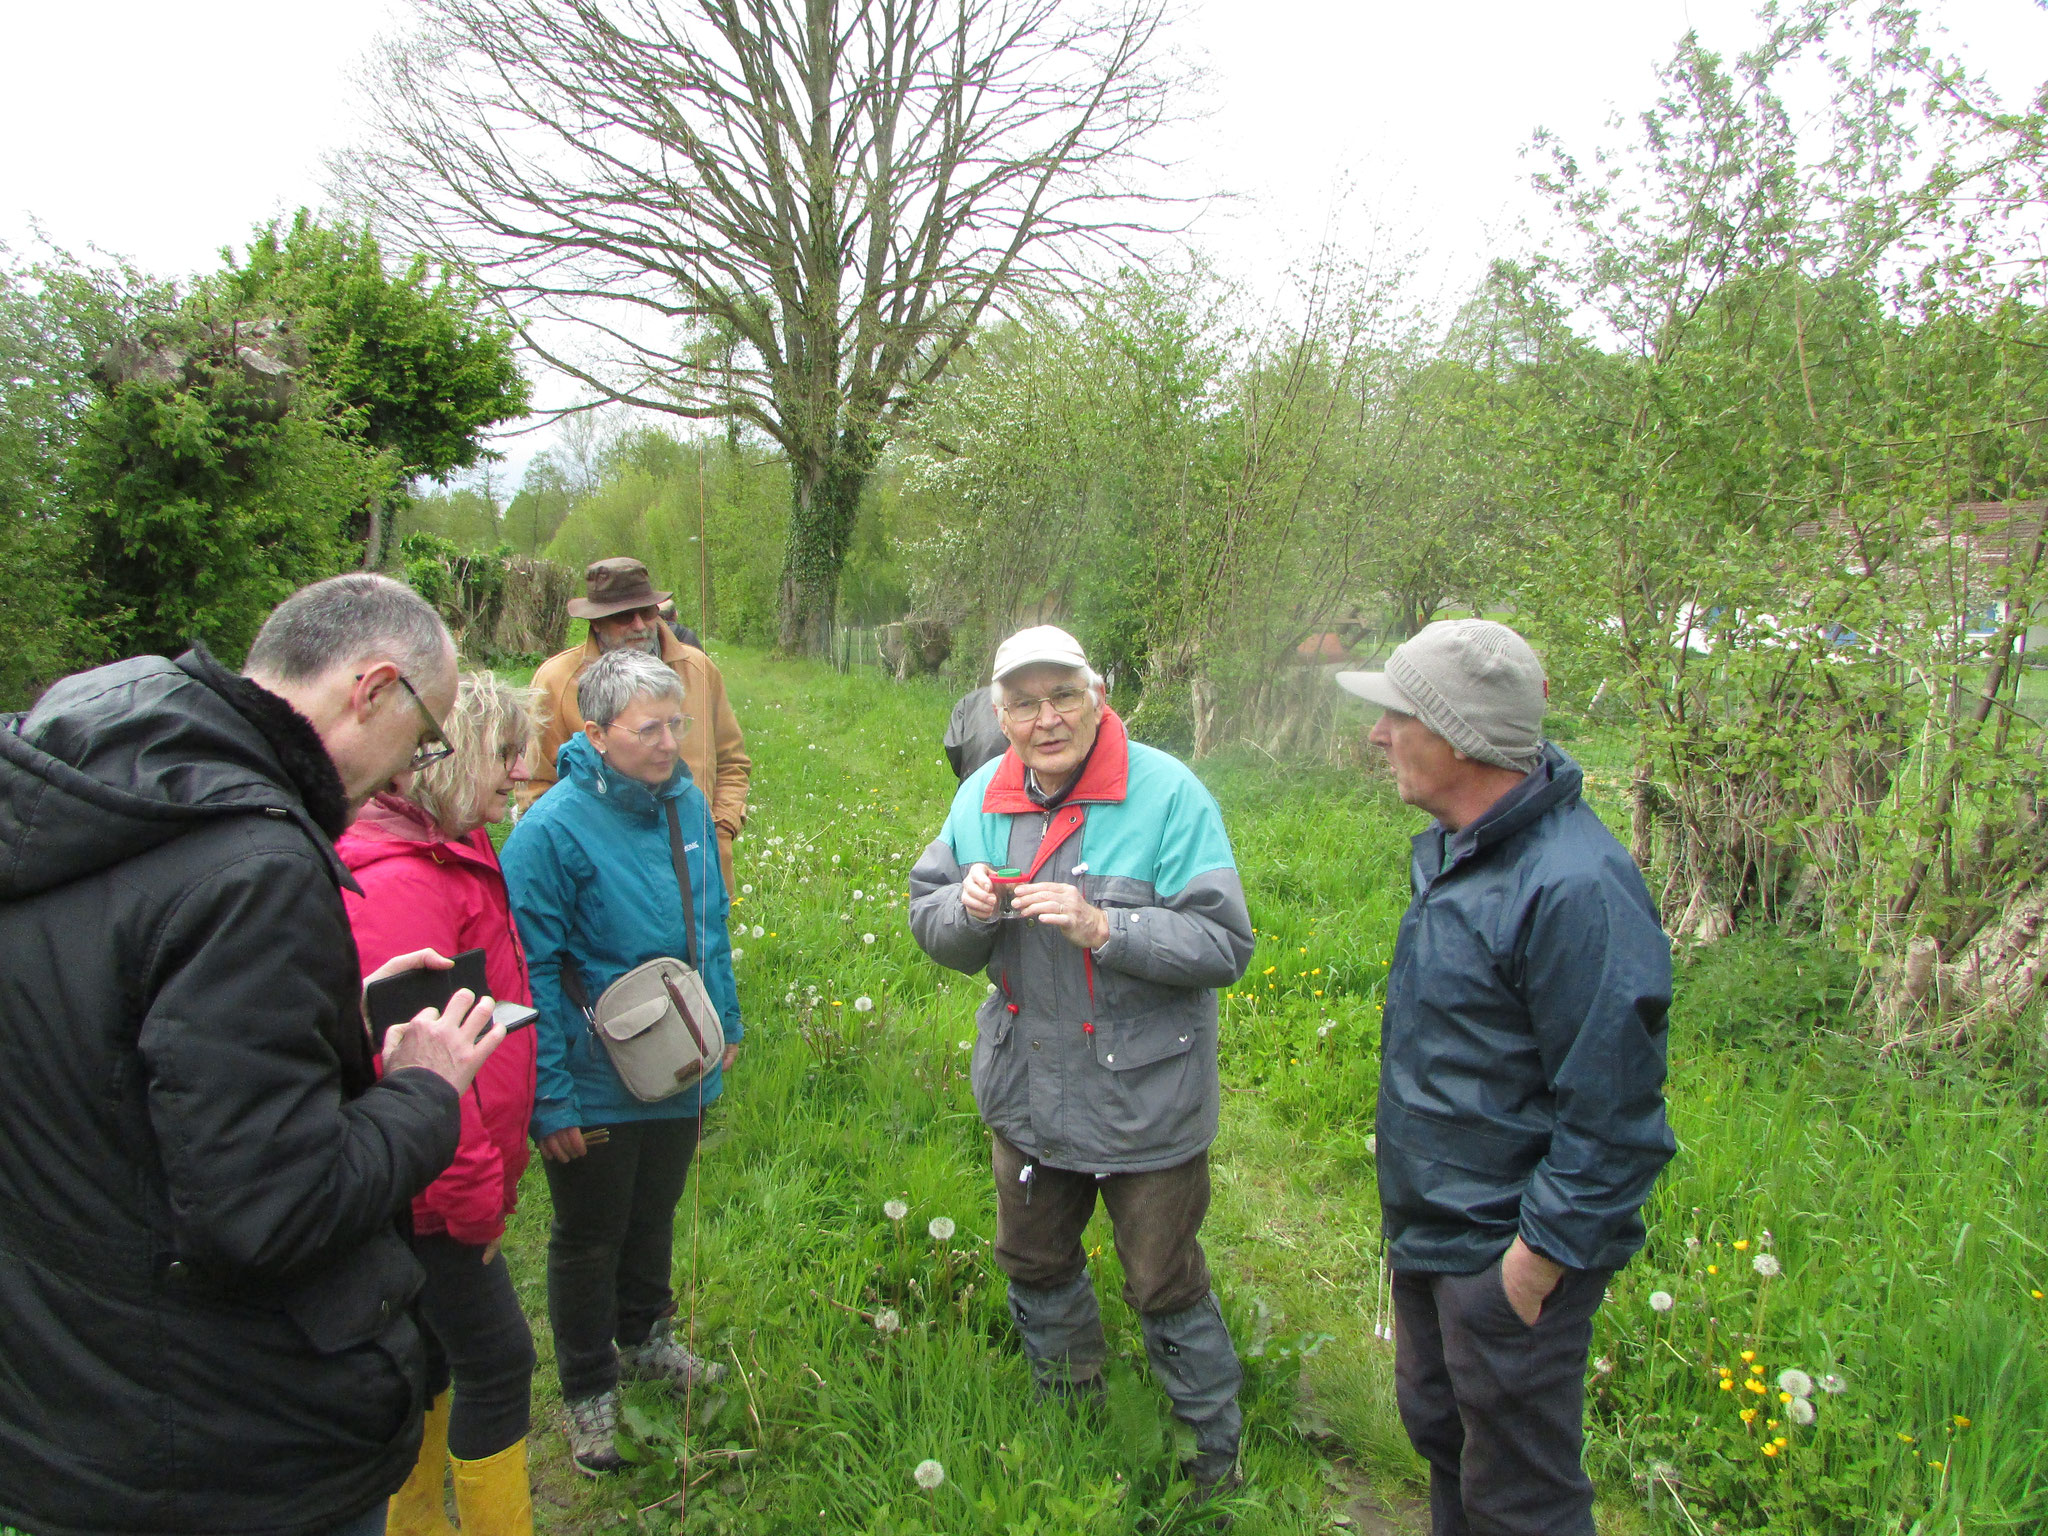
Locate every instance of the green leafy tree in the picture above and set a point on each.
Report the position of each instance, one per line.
(415, 357)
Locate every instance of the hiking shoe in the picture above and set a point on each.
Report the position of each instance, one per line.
(1212, 1474)
(593, 1424)
(661, 1358)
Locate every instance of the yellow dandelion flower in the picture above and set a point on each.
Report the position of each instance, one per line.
(1781, 1441)
(1269, 970)
(1713, 1269)
(1756, 1370)
(1784, 1397)
(1319, 991)
(2035, 1294)
(1907, 1438)
(1939, 1466)
(1962, 1421)
(1748, 1415)
(1317, 971)
(1727, 1386)
(1770, 1423)
(1725, 1371)
(1771, 1449)
(1303, 950)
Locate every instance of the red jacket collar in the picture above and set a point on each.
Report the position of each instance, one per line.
(1106, 776)
(390, 827)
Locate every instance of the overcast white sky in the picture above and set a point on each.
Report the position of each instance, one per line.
(161, 131)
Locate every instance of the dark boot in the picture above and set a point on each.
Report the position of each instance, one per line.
(1062, 1331)
(1196, 1362)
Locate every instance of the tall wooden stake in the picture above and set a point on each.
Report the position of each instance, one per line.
(703, 556)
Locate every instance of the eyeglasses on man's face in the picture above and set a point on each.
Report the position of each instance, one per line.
(649, 734)
(433, 745)
(1066, 703)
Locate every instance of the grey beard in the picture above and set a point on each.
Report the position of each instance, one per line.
(651, 644)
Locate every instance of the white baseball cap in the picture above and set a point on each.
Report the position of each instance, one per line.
(1040, 645)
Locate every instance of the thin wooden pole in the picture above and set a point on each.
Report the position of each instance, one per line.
(703, 555)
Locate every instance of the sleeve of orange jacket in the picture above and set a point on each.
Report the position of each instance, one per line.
(555, 713)
(735, 768)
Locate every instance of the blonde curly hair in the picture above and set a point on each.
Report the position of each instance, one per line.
(491, 720)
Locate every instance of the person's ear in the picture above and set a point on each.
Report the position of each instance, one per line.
(375, 680)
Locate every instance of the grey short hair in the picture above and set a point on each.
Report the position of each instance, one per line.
(617, 678)
(345, 619)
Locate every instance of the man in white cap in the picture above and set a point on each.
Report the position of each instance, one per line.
(1521, 1105)
(1090, 878)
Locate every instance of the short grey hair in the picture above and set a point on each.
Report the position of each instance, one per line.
(613, 681)
(348, 619)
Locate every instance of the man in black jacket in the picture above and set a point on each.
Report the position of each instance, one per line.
(1521, 1106)
(204, 1295)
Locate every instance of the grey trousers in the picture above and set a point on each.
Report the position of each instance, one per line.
(1496, 1407)
(1155, 1218)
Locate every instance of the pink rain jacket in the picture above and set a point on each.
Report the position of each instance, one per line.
(424, 891)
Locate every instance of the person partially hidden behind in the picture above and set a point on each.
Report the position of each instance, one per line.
(1521, 1105)
(205, 1299)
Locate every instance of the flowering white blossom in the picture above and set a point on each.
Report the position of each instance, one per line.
(1797, 1382)
(895, 1210)
(1765, 1264)
(863, 1004)
(1831, 1384)
(1661, 1301)
(1800, 1411)
(941, 1229)
(929, 1475)
(887, 1322)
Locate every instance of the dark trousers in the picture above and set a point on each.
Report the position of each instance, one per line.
(1497, 1408)
(610, 1247)
(477, 1335)
(1155, 1218)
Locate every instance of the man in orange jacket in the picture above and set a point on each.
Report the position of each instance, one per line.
(624, 610)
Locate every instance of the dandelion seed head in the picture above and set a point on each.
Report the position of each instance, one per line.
(739, 954)
(1603, 1366)
(867, 938)
(1800, 1412)
(863, 1004)
(1796, 1382)
(941, 1228)
(746, 890)
(929, 1475)
(1832, 1384)
(887, 1322)
(1661, 1301)
(857, 895)
(1766, 1265)
(759, 932)
(835, 858)
(895, 1210)
(1692, 1245)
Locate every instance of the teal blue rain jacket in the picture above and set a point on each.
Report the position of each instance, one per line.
(593, 885)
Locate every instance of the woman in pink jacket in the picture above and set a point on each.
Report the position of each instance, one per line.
(430, 879)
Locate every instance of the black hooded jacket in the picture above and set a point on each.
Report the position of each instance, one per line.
(204, 1295)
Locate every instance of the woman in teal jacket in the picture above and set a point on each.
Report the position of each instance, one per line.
(593, 886)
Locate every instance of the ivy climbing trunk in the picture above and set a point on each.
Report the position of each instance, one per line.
(824, 506)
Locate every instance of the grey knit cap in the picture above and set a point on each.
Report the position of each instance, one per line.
(1475, 683)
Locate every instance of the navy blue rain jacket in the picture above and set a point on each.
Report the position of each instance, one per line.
(1522, 1051)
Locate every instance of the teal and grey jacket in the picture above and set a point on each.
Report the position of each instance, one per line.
(1102, 1061)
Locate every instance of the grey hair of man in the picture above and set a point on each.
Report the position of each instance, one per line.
(611, 683)
(999, 692)
(357, 617)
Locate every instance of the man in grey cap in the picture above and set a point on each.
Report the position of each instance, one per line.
(1521, 1105)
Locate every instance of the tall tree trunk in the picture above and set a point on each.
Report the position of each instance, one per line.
(824, 504)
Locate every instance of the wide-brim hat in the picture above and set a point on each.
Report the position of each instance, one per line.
(617, 585)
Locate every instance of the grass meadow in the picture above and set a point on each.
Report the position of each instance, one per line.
(1870, 1231)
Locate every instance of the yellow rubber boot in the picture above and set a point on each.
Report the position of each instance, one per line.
(492, 1497)
(418, 1509)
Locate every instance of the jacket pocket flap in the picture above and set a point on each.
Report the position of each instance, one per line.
(636, 1020)
(1145, 1040)
(356, 1297)
(1466, 1145)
